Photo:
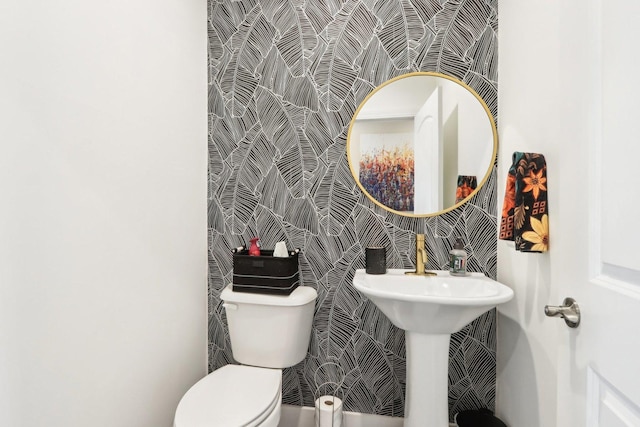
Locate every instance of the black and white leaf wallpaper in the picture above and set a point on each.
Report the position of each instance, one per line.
(285, 77)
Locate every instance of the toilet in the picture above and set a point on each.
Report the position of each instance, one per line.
(267, 333)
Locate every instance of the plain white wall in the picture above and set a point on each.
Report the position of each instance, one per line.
(526, 352)
(103, 171)
(543, 73)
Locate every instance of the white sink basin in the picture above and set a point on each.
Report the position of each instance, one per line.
(441, 304)
(430, 309)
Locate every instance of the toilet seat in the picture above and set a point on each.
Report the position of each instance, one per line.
(232, 396)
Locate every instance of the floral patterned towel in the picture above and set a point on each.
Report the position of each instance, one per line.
(524, 212)
(466, 185)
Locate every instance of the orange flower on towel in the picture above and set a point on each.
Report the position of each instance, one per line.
(535, 182)
(510, 196)
(463, 191)
(540, 234)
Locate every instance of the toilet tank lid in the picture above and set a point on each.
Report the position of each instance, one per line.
(300, 296)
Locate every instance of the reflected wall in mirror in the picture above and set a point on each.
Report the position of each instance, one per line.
(419, 143)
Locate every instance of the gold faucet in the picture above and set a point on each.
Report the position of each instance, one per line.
(421, 258)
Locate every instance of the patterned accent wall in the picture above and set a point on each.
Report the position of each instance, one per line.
(285, 78)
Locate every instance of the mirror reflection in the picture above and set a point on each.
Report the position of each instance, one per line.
(421, 143)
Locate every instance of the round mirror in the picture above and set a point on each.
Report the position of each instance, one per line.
(421, 144)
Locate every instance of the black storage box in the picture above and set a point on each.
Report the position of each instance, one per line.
(265, 274)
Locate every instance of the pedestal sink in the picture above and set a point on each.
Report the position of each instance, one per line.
(430, 309)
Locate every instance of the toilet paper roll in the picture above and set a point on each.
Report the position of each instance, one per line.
(328, 411)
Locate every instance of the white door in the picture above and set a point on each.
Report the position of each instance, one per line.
(427, 148)
(598, 221)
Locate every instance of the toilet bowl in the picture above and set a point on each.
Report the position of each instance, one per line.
(233, 396)
(267, 333)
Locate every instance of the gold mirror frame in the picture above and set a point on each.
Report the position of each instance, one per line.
(480, 184)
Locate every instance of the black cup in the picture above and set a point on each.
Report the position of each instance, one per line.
(375, 260)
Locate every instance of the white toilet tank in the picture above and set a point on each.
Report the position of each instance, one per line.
(270, 331)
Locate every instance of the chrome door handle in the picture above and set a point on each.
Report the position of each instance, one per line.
(569, 311)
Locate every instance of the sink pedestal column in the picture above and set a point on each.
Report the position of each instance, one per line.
(427, 394)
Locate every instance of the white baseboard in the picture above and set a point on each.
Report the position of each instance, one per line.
(303, 416)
